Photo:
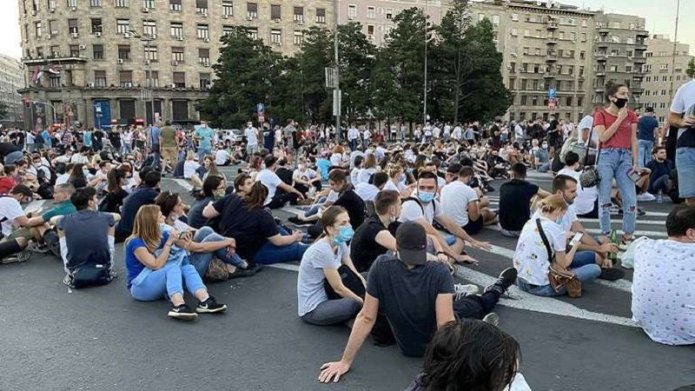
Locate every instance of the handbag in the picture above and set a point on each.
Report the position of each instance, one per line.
(217, 271)
(558, 276)
(90, 274)
(589, 176)
(573, 144)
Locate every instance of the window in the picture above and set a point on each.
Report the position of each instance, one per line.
(122, 26)
(514, 32)
(527, 33)
(98, 52)
(124, 52)
(534, 100)
(226, 30)
(647, 93)
(495, 20)
(320, 15)
(663, 92)
(251, 11)
(629, 53)
(663, 78)
(148, 4)
(203, 31)
(176, 29)
(95, 3)
(515, 17)
(252, 32)
(298, 38)
(96, 25)
(371, 12)
(568, 101)
(275, 37)
(149, 28)
(74, 50)
(54, 81)
(39, 52)
(227, 8)
(573, 36)
(125, 78)
(201, 7)
(54, 51)
(389, 14)
(51, 4)
(121, 3)
(180, 79)
(352, 11)
(561, 35)
(370, 31)
(523, 100)
(37, 29)
(204, 56)
(72, 3)
(53, 27)
(298, 14)
(628, 69)
(175, 5)
(614, 68)
(153, 78)
(151, 54)
(177, 54)
(73, 26)
(100, 78)
(275, 12)
(205, 82)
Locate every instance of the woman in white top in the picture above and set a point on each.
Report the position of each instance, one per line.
(337, 157)
(368, 169)
(190, 165)
(396, 173)
(531, 255)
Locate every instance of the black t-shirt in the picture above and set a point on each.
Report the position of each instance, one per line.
(250, 228)
(131, 205)
(285, 174)
(515, 204)
(354, 206)
(115, 138)
(113, 201)
(195, 214)
(97, 136)
(7, 148)
(364, 249)
(407, 297)
(687, 139)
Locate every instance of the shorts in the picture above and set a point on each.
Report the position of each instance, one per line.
(21, 233)
(473, 227)
(9, 247)
(685, 166)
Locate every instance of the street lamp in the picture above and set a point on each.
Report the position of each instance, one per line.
(148, 87)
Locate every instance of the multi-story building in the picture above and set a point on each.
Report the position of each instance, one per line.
(11, 79)
(125, 61)
(619, 53)
(376, 16)
(664, 73)
(548, 55)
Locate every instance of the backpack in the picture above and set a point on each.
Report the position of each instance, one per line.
(434, 205)
(89, 274)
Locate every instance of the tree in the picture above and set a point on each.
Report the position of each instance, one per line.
(691, 68)
(245, 75)
(357, 58)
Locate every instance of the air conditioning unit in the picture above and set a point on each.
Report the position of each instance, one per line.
(120, 61)
(91, 85)
(249, 18)
(206, 65)
(51, 10)
(73, 9)
(300, 22)
(172, 85)
(98, 34)
(174, 63)
(147, 62)
(276, 20)
(145, 10)
(75, 35)
(225, 16)
(83, 47)
(180, 38)
(207, 40)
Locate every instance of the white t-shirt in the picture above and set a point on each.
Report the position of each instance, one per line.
(531, 257)
(455, 199)
(364, 174)
(684, 98)
(79, 159)
(307, 175)
(251, 136)
(10, 209)
(663, 293)
(336, 159)
(353, 155)
(353, 134)
(392, 186)
(584, 203)
(189, 167)
(412, 210)
(271, 181)
(567, 220)
(366, 135)
(310, 289)
(221, 157)
(366, 191)
(62, 179)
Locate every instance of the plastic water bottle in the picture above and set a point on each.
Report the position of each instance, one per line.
(660, 197)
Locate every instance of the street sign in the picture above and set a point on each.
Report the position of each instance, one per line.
(337, 95)
(331, 77)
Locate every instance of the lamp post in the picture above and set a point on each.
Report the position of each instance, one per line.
(336, 90)
(675, 48)
(148, 88)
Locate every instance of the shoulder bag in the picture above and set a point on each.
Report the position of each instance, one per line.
(589, 176)
(558, 276)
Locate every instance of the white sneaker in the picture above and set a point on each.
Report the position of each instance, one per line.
(646, 197)
(463, 290)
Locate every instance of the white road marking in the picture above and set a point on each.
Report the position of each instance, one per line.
(598, 231)
(181, 182)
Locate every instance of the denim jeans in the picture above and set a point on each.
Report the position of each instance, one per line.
(201, 260)
(315, 207)
(685, 164)
(660, 183)
(166, 282)
(584, 273)
(543, 167)
(615, 163)
(270, 253)
(352, 144)
(645, 152)
(202, 152)
(126, 149)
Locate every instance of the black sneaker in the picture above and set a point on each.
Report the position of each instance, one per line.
(182, 312)
(299, 223)
(611, 274)
(210, 306)
(250, 270)
(506, 279)
(40, 248)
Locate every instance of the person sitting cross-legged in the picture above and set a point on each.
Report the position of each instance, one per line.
(86, 240)
(11, 215)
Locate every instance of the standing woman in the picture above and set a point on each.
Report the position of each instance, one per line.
(616, 126)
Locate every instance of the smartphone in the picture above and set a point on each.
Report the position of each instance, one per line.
(634, 176)
(576, 238)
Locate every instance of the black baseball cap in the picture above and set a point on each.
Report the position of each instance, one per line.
(411, 241)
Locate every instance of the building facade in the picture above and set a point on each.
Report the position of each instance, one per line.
(662, 78)
(548, 56)
(11, 80)
(619, 53)
(124, 61)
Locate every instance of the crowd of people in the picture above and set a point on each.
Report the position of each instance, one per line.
(383, 224)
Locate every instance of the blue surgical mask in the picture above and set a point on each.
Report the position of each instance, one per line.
(558, 221)
(425, 196)
(344, 234)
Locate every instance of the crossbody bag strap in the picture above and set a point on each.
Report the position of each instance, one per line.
(545, 240)
(598, 142)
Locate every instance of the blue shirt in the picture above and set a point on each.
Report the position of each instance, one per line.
(323, 166)
(132, 265)
(46, 138)
(205, 134)
(154, 135)
(87, 139)
(645, 127)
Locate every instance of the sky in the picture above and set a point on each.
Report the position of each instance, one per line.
(660, 16)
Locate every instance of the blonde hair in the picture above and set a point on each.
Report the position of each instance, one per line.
(370, 161)
(394, 169)
(552, 204)
(190, 155)
(146, 227)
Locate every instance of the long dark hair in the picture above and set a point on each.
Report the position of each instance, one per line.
(167, 201)
(114, 180)
(330, 215)
(255, 199)
(470, 355)
(612, 89)
(211, 183)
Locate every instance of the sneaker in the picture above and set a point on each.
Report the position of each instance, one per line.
(40, 248)
(182, 312)
(463, 290)
(248, 272)
(646, 197)
(67, 280)
(299, 223)
(506, 279)
(611, 274)
(492, 318)
(210, 306)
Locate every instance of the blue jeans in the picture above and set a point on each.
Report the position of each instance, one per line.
(543, 167)
(151, 285)
(584, 274)
(615, 163)
(660, 183)
(126, 149)
(201, 260)
(352, 144)
(202, 152)
(685, 165)
(645, 152)
(270, 253)
(157, 158)
(315, 207)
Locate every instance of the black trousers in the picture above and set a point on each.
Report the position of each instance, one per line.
(281, 199)
(476, 306)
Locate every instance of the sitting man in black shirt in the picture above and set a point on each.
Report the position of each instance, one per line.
(403, 289)
(515, 201)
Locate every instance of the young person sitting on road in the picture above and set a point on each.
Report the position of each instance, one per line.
(37, 226)
(661, 168)
(367, 191)
(142, 195)
(268, 177)
(156, 270)
(464, 205)
(515, 201)
(115, 193)
(213, 189)
(325, 261)
(586, 203)
(346, 197)
(12, 215)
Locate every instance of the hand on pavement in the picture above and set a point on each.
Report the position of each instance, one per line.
(332, 371)
(465, 258)
(481, 245)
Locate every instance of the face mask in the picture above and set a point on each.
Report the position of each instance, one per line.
(558, 221)
(425, 196)
(544, 146)
(344, 234)
(620, 102)
(218, 194)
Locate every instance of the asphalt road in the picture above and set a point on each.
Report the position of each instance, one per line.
(101, 339)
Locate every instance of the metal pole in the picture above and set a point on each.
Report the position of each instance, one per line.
(675, 49)
(337, 72)
(424, 100)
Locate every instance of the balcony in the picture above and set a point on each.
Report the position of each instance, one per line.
(599, 90)
(600, 72)
(636, 75)
(602, 45)
(601, 57)
(551, 56)
(642, 33)
(639, 59)
(552, 25)
(637, 90)
(549, 75)
(640, 47)
(603, 30)
(551, 41)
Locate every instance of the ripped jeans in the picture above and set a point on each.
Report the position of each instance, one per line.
(615, 163)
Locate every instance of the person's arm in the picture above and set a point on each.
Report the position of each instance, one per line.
(284, 186)
(473, 210)
(459, 232)
(363, 325)
(604, 133)
(386, 240)
(635, 148)
(333, 278)
(209, 212)
(146, 258)
(676, 120)
(444, 309)
(33, 221)
(286, 240)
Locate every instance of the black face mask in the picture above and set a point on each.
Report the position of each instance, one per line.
(620, 102)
